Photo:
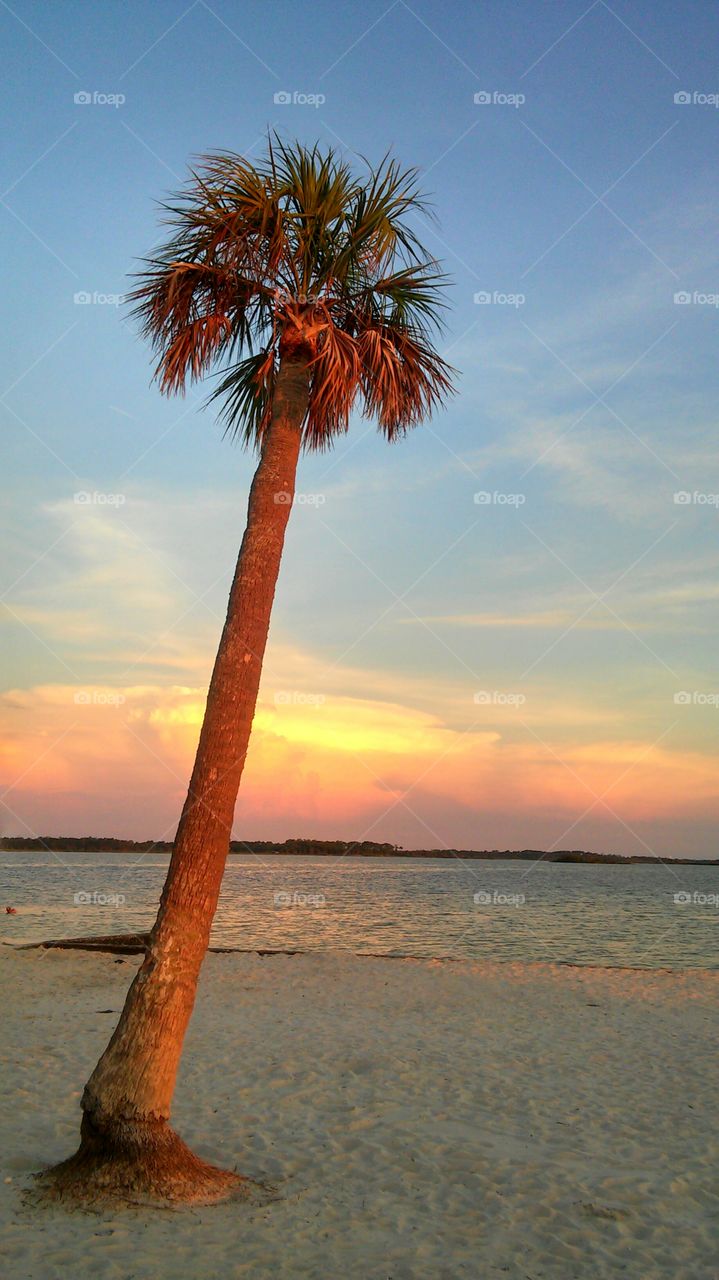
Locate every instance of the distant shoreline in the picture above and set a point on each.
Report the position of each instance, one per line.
(336, 849)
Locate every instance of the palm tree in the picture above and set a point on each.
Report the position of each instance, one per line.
(310, 292)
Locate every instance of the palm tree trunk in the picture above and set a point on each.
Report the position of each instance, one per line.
(127, 1147)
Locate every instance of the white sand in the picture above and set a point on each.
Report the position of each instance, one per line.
(421, 1120)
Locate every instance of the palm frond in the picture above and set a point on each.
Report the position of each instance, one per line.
(336, 378)
(403, 379)
(295, 252)
(245, 393)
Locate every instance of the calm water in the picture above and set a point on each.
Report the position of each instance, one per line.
(599, 915)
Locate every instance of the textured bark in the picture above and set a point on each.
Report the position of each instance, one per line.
(127, 1147)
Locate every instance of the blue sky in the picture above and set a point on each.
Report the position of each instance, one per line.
(589, 196)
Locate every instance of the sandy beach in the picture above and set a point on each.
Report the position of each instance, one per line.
(420, 1120)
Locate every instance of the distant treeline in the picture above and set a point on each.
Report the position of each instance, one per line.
(112, 844)
(325, 848)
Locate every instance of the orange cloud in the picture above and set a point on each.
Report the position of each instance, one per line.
(118, 761)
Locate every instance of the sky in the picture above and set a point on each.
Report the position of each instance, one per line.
(497, 633)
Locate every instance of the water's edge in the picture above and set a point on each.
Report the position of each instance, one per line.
(130, 944)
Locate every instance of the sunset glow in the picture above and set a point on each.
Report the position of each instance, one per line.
(499, 631)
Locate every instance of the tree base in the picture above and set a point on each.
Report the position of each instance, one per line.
(137, 1163)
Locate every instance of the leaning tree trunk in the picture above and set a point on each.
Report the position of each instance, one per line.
(127, 1147)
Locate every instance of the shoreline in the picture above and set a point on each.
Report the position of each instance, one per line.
(346, 849)
(134, 944)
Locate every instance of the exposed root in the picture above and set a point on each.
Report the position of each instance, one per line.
(137, 1163)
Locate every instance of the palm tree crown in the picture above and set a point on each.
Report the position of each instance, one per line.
(296, 257)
